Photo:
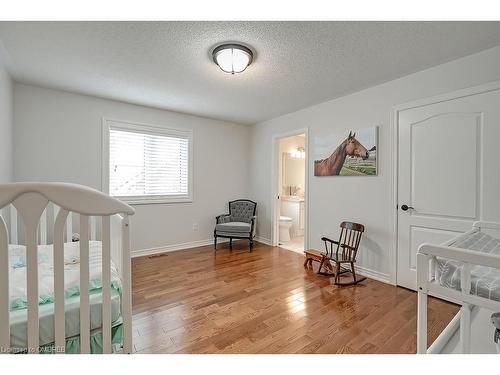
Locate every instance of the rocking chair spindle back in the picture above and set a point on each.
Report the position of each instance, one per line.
(343, 251)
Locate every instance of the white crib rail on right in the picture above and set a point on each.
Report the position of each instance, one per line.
(426, 258)
(30, 201)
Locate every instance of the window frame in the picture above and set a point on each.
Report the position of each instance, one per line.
(109, 123)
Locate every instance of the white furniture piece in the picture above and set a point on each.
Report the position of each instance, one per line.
(285, 226)
(454, 272)
(31, 204)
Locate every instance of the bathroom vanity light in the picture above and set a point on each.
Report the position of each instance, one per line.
(232, 58)
(299, 153)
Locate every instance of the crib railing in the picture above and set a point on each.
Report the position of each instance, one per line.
(30, 201)
(426, 263)
(46, 226)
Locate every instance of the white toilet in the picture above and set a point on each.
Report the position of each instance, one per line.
(285, 225)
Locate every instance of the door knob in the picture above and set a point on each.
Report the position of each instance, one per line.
(404, 207)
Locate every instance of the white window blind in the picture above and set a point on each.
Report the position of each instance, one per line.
(144, 163)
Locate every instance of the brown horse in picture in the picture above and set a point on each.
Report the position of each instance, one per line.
(332, 165)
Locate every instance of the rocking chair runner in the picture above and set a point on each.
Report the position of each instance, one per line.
(342, 252)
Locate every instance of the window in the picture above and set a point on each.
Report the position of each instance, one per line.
(147, 164)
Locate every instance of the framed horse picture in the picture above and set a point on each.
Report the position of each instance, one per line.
(351, 155)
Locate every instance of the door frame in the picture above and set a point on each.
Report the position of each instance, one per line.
(274, 184)
(394, 149)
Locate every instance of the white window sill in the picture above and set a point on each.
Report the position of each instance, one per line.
(150, 200)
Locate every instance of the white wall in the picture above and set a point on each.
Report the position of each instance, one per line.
(5, 125)
(57, 137)
(362, 199)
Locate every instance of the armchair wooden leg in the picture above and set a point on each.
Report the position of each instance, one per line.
(251, 244)
(230, 244)
(215, 242)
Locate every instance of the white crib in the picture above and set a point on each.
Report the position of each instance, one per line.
(46, 213)
(427, 257)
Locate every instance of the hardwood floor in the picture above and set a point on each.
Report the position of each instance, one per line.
(191, 301)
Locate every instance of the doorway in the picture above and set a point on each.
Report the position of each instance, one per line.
(290, 191)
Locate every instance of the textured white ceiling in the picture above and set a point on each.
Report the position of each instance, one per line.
(168, 64)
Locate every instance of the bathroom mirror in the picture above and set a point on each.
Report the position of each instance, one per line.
(293, 174)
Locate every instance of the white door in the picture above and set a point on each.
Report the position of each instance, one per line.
(448, 173)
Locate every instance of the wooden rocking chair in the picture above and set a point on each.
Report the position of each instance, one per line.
(342, 252)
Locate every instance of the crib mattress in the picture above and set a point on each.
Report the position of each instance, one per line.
(18, 319)
(485, 281)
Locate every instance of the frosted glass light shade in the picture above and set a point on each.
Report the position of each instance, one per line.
(298, 153)
(232, 58)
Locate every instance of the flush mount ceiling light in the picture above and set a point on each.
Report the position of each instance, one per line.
(232, 58)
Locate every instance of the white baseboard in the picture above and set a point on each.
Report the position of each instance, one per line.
(169, 248)
(265, 241)
(187, 245)
(375, 275)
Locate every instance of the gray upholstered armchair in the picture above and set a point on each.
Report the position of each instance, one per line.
(239, 223)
